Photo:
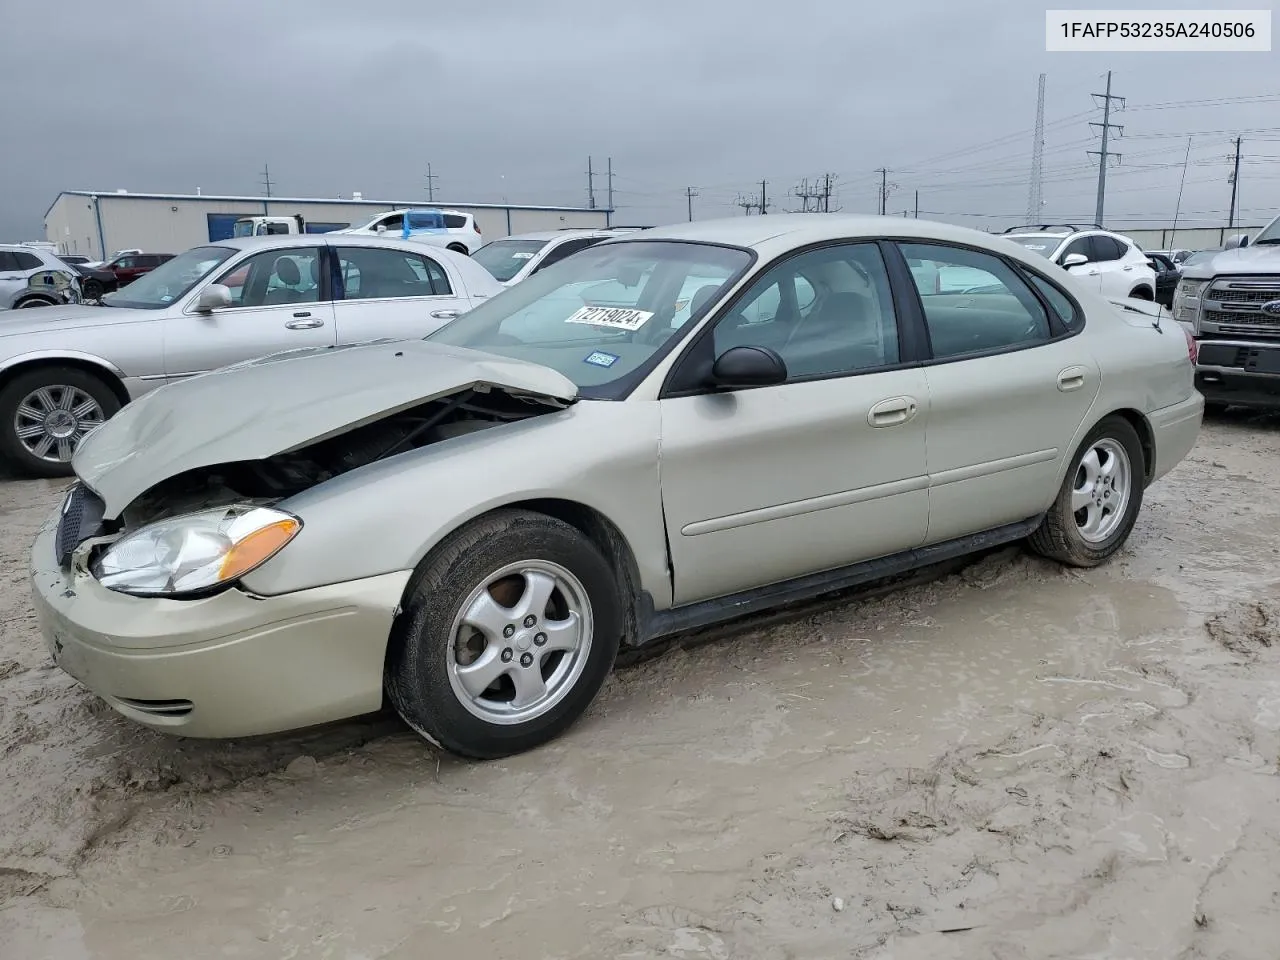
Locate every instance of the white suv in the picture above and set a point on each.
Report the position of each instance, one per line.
(451, 229)
(34, 277)
(1106, 262)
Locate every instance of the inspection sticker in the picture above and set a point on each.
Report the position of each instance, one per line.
(618, 318)
(522, 255)
(602, 359)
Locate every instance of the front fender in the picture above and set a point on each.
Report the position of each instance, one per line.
(388, 515)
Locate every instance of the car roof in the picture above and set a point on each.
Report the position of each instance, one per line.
(281, 240)
(784, 231)
(546, 235)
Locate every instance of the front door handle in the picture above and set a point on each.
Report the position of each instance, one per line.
(891, 412)
(304, 321)
(445, 314)
(1071, 378)
(1130, 267)
(1094, 273)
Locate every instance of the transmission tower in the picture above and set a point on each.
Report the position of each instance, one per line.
(431, 184)
(266, 178)
(746, 203)
(1103, 155)
(828, 181)
(1035, 193)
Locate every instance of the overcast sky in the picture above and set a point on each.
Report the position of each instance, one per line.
(507, 100)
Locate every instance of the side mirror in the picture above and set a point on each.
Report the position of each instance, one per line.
(1238, 240)
(748, 367)
(1074, 260)
(213, 297)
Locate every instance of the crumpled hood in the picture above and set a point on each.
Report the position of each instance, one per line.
(281, 402)
(1261, 259)
(71, 317)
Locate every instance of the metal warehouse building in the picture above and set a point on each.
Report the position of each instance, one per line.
(96, 224)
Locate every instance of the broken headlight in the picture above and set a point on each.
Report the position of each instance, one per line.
(196, 552)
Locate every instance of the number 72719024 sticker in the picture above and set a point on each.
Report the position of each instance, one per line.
(616, 318)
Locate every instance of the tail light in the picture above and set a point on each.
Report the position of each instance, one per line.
(1193, 351)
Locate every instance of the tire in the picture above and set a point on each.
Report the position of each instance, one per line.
(19, 393)
(1215, 407)
(1061, 537)
(459, 248)
(35, 302)
(92, 289)
(423, 675)
(1142, 293)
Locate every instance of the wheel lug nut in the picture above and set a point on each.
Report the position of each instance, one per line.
(530, 620)
(507, 655)
(526, 659)
(509, 630)
(539, 639)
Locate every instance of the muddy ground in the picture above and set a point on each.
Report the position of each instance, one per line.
(1013, 761)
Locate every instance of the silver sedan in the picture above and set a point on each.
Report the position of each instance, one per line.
(64, 370)
(658, 433)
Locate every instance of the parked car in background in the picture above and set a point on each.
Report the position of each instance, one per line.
(472, 524)
(1177, 256)
(128, 267)
(31, 276)
(515, 258)
(64, 371)
(451, 229)
(1230, 300)
(277, 226)
(95, 282)
(1167, 273)
(74, 259)
(1103, 261)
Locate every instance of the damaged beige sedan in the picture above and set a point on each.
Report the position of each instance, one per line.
(670, 429)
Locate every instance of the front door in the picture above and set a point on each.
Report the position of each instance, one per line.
(767, 484)
(392, 293)
(1008, 387)
(279, 301)
(1089, 274)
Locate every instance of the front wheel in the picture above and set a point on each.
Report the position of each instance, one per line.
(92, 289)
(1100, 497)
(31, 302)
(46, 413)
(508, 632)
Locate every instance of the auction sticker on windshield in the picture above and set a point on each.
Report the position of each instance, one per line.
(616, 318)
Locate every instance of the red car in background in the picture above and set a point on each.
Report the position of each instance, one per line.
(130, 266)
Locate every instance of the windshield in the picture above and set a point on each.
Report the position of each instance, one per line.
(600, 315)
(1270, 233)
(505, 258)
(1041, 245)
(243, 228)
(169, 281)
(1200, 256)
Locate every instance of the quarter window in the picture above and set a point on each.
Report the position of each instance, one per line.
(1106, 249)
(275, 277)
(1058, 302)
(373, 273)
(826, 312)
(27, 261)
(995, 309)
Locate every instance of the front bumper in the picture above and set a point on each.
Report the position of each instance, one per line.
(229, 665)
(1243, 373)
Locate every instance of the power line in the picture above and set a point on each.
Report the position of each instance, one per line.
(1102, 154)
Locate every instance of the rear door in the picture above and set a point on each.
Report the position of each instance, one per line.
(12, 280)
(280, 300)
(1115, 275)
(130, 268)
(1009, 384)
(385, 292)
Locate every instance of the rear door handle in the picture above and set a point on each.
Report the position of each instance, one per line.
(1071, 378)
(445, 314)
(891, 412)
(304, 321)
(1130, 267)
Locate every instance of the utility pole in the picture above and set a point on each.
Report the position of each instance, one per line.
(1103, 154)
(266, 179)
(431, 185)
(917, 205)
(1235, 187)
(1035, 193)
(608, 216)
(591, 186)
(884, 190)
(825, 199)
(764, 199)
(689, 194)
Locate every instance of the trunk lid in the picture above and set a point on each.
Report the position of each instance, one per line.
(285, 401)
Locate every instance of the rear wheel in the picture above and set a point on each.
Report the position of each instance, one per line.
(35, 302)
(92, 289)
(459, 248)
(1142, 293)
(508, 632)
(46, 413)
(1100, 497)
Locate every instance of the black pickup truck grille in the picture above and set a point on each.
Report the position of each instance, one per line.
(81, 518)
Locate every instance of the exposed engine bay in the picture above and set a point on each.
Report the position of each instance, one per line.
(285, 474)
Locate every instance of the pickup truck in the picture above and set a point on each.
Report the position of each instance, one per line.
(275, 226)
(1230, 302)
